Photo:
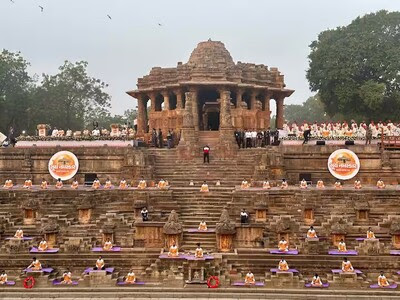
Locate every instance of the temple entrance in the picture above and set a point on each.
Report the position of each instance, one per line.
(210, 118)
(213, 120)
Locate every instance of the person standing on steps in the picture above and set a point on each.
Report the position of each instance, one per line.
(206, 154)
(169, 139)
(160, 139)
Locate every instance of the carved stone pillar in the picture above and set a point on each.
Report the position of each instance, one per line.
(152, 97)
(279, 112)
(166, 100)
(267, 98)
(239, 94)
(179, 102)
(253, 100)
(188, 142)
(142, 116)
(227, 145)
(195, 108)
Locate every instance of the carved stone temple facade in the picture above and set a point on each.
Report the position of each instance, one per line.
(209, 78)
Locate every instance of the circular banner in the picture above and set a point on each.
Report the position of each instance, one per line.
(63, 165)
(343, 164)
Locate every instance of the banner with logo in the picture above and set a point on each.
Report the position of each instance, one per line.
(343, 164)
(63, 165)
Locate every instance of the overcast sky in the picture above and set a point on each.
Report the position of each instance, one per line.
(275, 33)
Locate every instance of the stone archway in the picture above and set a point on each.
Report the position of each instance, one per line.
(211, 116)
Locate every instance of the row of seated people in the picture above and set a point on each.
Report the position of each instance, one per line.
(303, 184)
(43, 245)
(316, 280)
(174, 252)
(162, 184)
(36, 265)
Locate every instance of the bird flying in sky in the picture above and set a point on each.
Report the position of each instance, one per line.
(109, 17)
(159, 24)
(41, 8)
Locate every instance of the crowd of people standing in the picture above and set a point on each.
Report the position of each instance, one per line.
(256, 138)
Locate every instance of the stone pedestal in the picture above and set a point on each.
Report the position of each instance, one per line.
(98, 278)
(345, 278)
(369, 247)
(312, 245)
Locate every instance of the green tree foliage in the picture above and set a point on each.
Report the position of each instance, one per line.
(72, 96)
(355, 69)
(312, 110)
(69, 99)
(16, 88)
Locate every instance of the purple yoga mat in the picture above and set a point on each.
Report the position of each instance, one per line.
(241, 283)
(376, 286)
(309, 285)
(339, 271)
(360, 239)
(205, 257)
(9, 282)
(394, 252)
(136, 283)
(100, 249)
(200, 231)
(274, 270)
(290, 252)
(44, 270)
(25, 238)
(348, 252)
(312, 239)
(58, 282)
(36, 250)
(398, 272)
(187, 257)
(165, 256)
(108, 270)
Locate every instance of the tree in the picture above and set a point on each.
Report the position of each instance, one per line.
(355, 69)
(312, 110)
(16, 87)
(71, 97)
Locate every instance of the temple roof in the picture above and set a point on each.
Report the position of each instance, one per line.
(211, 54)
(211, 63)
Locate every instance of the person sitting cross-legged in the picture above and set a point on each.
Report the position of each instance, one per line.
(249, 278)
(100, 265)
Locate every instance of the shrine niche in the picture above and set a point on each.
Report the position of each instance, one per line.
(225, 230)
(85, 208)
(107, 232)
(50, 232)
(29, 208)
(395, 233)
(338, 231)
(173, 230)
(209, 73)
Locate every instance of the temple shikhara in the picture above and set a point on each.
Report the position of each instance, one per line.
(111, 218)
(210, 76)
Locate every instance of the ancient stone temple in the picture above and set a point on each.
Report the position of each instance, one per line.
(209, 75)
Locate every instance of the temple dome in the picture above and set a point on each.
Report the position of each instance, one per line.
(211, 54)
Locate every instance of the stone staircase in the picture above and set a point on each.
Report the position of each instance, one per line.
(195, 207)
(210, 138)
(180, 172)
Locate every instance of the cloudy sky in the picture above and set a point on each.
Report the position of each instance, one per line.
(275, 33)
